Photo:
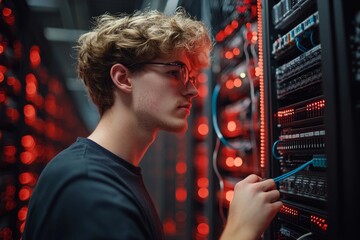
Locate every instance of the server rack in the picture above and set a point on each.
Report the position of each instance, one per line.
(311, 76)
(37, 119)
(236, 102)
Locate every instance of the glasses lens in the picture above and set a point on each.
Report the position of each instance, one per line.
(184, 74)
(192, 80)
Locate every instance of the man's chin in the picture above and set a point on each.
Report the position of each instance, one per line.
(177, 129)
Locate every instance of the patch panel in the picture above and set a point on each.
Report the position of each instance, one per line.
(301, 63)
(290, 38)
(305, 219)
(299, 84)
(300, 113)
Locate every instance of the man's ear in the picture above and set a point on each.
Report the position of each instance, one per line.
(120, 77)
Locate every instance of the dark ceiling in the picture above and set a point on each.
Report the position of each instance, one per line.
(64, 20)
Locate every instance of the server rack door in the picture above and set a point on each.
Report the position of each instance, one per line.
(340, 32)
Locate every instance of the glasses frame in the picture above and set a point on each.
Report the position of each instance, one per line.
(184, 70)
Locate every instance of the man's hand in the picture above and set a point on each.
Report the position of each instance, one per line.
(255, 204)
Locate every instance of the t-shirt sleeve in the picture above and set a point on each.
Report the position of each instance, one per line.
(96, 209)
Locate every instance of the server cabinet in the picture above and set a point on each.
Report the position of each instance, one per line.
(38, 117)
(311, 76)
(235, 102)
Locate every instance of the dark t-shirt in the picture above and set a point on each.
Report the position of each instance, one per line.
(87, 192)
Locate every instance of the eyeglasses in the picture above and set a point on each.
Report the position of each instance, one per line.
(183, 75)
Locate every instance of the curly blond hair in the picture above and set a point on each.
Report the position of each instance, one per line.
(134, 38)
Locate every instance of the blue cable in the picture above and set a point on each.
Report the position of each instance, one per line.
(317, 161)
(312, 38)
(214, 117)
(273, 150)
(288, 174)
(299, 46)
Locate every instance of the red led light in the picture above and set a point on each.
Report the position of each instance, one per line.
(229, 195)
(181, 194)
(12, 114)
(220, 36)
(254, 37)
(237, 82)
(229, 84)
(234, 24)
(6, 12)
(203, 182)
(29, 112)
(2, 96)
(229, 161)
(30, 78)
(203, 129)
(169, 226)
(26, 158)
(228, 30)
(202, 78)
(35, 58)
(236, 51)
(21, 228)
(203, 192)
(31, 89)
(11, 81)
(241, 9)
(231, 126)
(15, 84)
(238, 161)
(229, 55)
(9, 150)
(6, 232)
(28, 142)
(319, 222)
(289, 211)
(22, 213)
(203, 91)
(10, 190)
(181, 167)
(10, 205)
(9, 154)
(260, 74)
(2, 77)
(201, 159)
(27, 178)
(203, 228)
(24, 193)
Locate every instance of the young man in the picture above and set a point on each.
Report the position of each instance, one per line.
(140, 71)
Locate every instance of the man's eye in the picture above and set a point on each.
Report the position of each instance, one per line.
(174, 73)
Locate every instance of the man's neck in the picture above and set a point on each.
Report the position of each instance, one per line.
(123, 138)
